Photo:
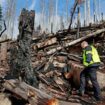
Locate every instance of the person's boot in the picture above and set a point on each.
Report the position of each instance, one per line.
(81, 93)
(98, 99)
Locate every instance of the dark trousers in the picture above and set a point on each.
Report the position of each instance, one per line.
(90, 73)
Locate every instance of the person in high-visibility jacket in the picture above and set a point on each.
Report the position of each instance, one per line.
(91, 61)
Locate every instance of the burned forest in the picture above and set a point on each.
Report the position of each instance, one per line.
(42, 67)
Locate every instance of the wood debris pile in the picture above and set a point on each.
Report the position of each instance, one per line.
(52, 57)
(49, 60)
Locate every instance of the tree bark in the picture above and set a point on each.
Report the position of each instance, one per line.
(22, 62)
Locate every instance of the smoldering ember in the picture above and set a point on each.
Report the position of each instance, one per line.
(40, 67)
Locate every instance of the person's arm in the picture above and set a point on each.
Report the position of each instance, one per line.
(88, 54)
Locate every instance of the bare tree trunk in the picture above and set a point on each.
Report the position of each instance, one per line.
(10, 16)
(51, 7)
(88, 17)
(72, 14)
(56, 23)
(95, 11)
(42, 7)
(67, 2)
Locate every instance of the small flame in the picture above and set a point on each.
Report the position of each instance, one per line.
(53, 102)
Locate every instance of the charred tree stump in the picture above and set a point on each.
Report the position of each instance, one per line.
(23, 64)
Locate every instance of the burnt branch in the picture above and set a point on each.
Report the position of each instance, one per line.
(4, 29)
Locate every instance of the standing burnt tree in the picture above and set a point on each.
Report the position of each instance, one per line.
(22, 60)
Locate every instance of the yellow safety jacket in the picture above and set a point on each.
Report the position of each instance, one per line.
(95, 57)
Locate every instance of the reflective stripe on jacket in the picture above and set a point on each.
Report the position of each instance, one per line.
(95, 56)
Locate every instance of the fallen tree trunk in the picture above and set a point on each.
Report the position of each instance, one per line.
(85, 37)
(27, 92)
(46, 43)
(94, 34)
(31, 94)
